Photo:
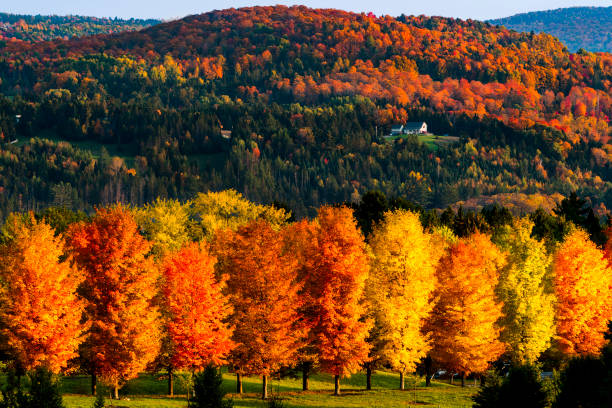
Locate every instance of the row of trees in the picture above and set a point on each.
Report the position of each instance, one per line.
(128, 290)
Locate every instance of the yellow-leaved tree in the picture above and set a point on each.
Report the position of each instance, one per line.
(165, 223)
(583, 282)
(525, 287)
(399, 288)
(229, 210)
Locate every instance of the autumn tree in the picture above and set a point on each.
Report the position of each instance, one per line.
(298, 240)
(263, 290)
(40, 312)
(337, 269)
(165, 223)
(195, 311)
(583, 285)
(400, 287)
(229, 209)
(119, 287)
(525, 287)
(464, 321)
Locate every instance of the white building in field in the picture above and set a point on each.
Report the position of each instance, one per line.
(410, 128)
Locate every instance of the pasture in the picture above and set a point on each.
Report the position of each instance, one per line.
(148, 391)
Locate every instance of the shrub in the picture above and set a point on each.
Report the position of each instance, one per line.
(99, 402)
(208, 390)
(276, 402)
(521, 388)
(44, 391)
(581, 384)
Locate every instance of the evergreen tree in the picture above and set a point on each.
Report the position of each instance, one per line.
(208, 390)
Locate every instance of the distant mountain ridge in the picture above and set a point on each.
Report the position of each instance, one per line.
(43, 28)
(578, 27)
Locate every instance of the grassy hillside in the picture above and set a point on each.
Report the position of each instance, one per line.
(148, 392)
(589, 28)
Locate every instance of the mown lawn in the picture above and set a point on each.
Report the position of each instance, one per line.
(431, 141)
(148, 392)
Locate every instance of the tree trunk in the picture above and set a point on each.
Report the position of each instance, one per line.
(305, 374)
(238, 383)
(94, 382)
(402, 381)
(336, 385)
(428, 373)
(462, 380)
(369, 377)
(452, 378)
(170, 382)
(475, 381)
(116, 391)
(264, 387)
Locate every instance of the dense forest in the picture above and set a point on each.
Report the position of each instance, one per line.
(44, 28)
(291, 104)
(589, 28)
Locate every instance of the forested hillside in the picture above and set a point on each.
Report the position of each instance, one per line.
(290, 104)
(589, 28)
(43, 28)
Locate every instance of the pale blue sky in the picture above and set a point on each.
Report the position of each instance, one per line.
(477, 9)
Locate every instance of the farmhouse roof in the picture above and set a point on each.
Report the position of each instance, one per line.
(414, 125)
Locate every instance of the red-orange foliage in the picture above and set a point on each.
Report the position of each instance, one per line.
(335, 272)
(583, 284)
(445, 64)
(40, 310)
(119, 287)
(464, 322)
(263, 289)
(196, 309)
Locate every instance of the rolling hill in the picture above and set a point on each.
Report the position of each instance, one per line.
(291, 104)
(589, 28)
(43, 28)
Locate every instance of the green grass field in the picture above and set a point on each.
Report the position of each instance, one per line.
(431, 141)
(148, 392)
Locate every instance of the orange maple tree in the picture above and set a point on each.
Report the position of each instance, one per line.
(196, 310)
(336, 271)
(263, 289)
(583, 284)
(464, 322)
(119, 287)
(40, 310)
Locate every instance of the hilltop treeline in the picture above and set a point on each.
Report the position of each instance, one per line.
(588, 28)
(45, 28)
(307, 95)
